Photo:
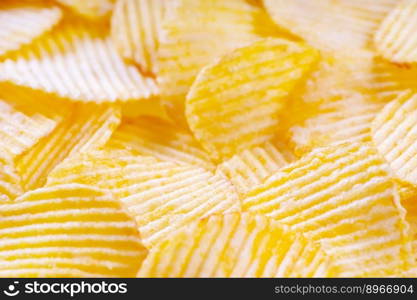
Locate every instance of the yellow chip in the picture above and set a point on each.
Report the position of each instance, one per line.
(331, 25)
(162, 196)
(153, 137)
(86, 127)
(395, 39)
(10, 183)
(194, 33)
(20, 24)
(343, 197)
(394, 132)
(68, 231)
(136, 29)
(234, 103)
(89, 8)
(236, 245)
(77, 61)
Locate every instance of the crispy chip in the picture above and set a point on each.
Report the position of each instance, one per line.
(395, 38)
(68, 231)
(77, 61)
(342, 196)
(153, 137)
(90, 8)
(331, 25)
(10, 183)
(162, 196)
(234, 103)
(20, 24)
(136, 30)
(235, 245)
(86, 127)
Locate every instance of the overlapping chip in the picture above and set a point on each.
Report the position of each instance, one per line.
(90, 8)
(343, 197)
(68, 231)
(234, 103)
(236, 245)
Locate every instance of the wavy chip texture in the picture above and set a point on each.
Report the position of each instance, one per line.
(90, 8)
(162, 196)
(68, 231)
(343, 197)
(77, 61)
(234, 103)
(235, 245)
(10, 182)
(395, 38)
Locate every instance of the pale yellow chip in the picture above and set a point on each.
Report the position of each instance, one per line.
(89, 8)
(10, 182)
(161, 196)
(395, 39)
(21, 24)
(394, 132)
(68, 231)
(86, 127)
(194, 33)
(162, 140)
(234, 103)
(78, 61)
(236, 245)
(343, 197)
(331, 25)
(136, 29)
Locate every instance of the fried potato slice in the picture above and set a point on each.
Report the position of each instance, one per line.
(77, 60)
(161, 196)
(331, 25)
(86, 127)
(89, 8)
(194, 33)
(343, 197)
(160, 139)
(394, 132)
(136, 27)
(395, 39)
(68, 231)
(236, 245)
(21, 24)
(10, 182)
(234, 103)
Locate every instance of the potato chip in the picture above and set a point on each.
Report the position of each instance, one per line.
(236, 245)
(77, 61)
(194, 33)
(90, 8)
(20, 24)
(162, 196)
(343, 197)
(10, 183)
(395, 39)
(394, 132)
(153, 137)
(234, 103)
(331, 25)
(86, 127)
(68, 231)
(136, 29)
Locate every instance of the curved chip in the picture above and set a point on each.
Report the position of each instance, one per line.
(395, 39)
(10, 182)
(343, 197)
(236, 245)
(394, 132)
(77, 61)
(162, 196)
(331, 25)
(234, 103)
(68, 231)
(136, 28)
(90, 8)
(21, 24)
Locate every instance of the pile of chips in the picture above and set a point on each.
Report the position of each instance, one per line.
(208, 138)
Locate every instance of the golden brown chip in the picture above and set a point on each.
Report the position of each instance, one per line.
(89, 8)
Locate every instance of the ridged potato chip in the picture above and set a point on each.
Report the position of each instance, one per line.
(343, 197)
(68, 231)
(77, 60)
(136, 29)
(236, 245)
(395, 39)
(331, 25)
(234, 103)
(10, 182)
(90, 8)
(162, 196)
